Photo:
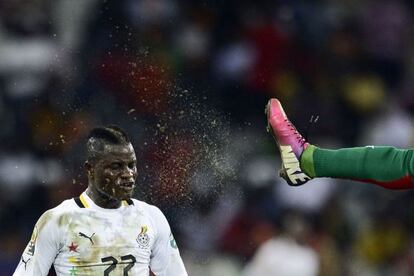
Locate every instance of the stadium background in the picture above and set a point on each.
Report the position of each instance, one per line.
(189, 81)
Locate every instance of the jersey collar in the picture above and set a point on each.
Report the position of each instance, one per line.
(84, 201)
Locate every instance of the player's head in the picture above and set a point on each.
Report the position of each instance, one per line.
(111, 163)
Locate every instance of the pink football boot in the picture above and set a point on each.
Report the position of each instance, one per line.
(291, 144)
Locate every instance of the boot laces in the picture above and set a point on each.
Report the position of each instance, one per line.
(298, 136)
(302, 140)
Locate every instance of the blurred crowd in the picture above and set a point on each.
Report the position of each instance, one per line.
(189, 80)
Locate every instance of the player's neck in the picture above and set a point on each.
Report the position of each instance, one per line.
(102, 200)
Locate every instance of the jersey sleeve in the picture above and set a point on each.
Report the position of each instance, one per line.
(42, 248)
(165, 257)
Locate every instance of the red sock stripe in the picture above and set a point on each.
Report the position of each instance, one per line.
(405, 182)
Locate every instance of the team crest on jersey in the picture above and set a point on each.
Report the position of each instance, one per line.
(32, 244)
(143, 238)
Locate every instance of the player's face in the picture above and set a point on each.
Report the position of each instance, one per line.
(115, 171)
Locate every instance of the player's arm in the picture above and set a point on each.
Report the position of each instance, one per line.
(165, 257)
(42, 248)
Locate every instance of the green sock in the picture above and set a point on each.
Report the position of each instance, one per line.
(306, 161)
(386, 166)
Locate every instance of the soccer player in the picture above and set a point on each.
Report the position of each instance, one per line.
(104, 231)
(388, 167)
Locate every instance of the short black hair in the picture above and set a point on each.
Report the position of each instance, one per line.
(100, 136)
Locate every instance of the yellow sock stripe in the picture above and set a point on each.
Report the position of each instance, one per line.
(84, 202)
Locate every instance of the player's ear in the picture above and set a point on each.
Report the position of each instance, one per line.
(88, 167)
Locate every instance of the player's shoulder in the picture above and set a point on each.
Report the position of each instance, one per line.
(150, 209)
(54, 215)
(142, 205)
(66, 206)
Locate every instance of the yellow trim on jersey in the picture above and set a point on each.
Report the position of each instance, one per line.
(144, 230)
(73, 260)
(84, 201)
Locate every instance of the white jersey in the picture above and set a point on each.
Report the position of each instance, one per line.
(80, 238)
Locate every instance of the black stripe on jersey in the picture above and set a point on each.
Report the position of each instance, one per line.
(130, 202)
(79, 202)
